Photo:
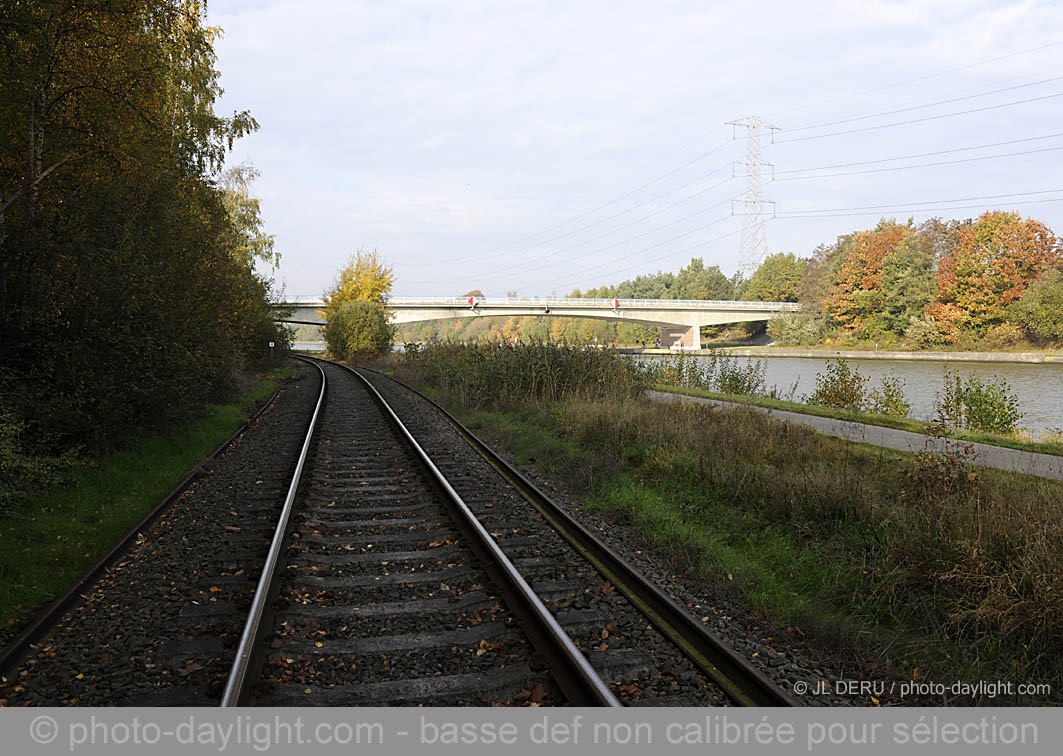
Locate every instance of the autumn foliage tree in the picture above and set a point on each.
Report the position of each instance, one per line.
(856, 294)
(992, 264)
(358, 323)
(364, 277)
(126, 304)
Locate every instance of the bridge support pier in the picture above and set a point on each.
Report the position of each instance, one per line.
(681, 337)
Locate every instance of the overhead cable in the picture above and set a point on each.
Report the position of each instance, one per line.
(926, 77)
(920, 120)
(604, 205)
(920, 107)
(921, 154)
(927, 202)
(922, 165)
(900, 210)
(669, 255)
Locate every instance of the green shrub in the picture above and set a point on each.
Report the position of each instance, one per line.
(359, 330)
(974, 404)
(924, 333)
(845, 387)
(841, 386)
(745, 380)
(798, 329)
(888, 398)
(1040, 310)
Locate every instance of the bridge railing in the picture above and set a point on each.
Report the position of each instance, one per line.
(592, 302)
(708, 304)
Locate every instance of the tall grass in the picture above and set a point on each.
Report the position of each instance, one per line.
(498, 376)
(843, 540)
(923, 544)
(717, 371)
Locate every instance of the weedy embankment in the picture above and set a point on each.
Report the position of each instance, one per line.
(923, 564)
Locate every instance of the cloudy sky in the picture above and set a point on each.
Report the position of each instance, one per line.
(542, 146)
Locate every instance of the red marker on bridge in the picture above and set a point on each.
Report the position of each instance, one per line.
(616, 304)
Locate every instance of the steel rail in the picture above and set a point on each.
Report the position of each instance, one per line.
(51, 614)
(746, 684)
(577, 678)
(236, 685)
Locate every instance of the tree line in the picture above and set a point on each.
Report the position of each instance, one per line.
(128, 280)
(990, 282)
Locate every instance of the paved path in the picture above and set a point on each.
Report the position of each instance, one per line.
(1047, 358)
(987, 455)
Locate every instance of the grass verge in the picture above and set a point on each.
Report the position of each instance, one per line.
(922, 566)
(48, 543)
(885, 421)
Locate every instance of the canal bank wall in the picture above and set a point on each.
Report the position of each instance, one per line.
(856, 354)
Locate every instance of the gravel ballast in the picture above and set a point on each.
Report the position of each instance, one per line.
(161, 626)
(658, 673)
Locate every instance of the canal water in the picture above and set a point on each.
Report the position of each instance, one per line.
(1038, 386)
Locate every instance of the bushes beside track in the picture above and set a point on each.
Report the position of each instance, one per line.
(924, 565)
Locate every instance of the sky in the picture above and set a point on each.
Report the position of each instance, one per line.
(540, 147)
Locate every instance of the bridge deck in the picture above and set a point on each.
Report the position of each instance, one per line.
(657, 304)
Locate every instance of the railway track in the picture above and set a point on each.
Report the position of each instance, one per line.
(384, 588)
(371, 560)
(393, 579)
(743, 683)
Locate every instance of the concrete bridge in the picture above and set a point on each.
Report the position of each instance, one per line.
(678, 319)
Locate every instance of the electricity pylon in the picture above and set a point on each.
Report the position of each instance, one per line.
(754, 245)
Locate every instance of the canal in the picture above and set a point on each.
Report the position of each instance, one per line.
(1038, 386)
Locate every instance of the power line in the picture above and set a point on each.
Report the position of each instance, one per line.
(579, 276)
(916, 79)
(699, 245)
(723, 145)
(922, 165)
(667, 241)
(663, 176)
(920, 120)
(674, 238)
(920, 107)
(928, 202)
(922, 154)
(1001, 82)
(523, 267)
(918, 209)
(651, 200)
